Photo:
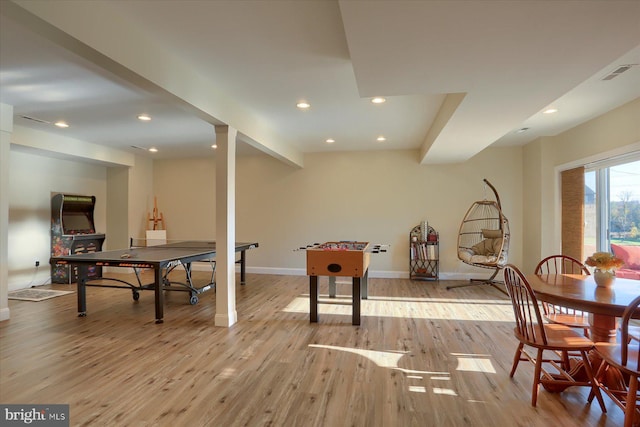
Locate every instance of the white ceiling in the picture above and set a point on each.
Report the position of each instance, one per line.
(508, 61)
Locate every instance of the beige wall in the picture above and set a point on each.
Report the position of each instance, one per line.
(32, 181)
(117, 208)
(614, 133)
(617, 129)
(34, 173)
(185, 191)
(372, 196)
(140, 196)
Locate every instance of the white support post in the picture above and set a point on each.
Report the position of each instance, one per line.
(226, 314)
(6, 128)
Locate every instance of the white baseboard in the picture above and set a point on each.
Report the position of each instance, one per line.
(4, 314)
(379, 274)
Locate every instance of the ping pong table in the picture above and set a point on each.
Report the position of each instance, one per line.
(161, 258)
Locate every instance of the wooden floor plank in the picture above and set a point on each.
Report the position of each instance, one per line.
(423, 356)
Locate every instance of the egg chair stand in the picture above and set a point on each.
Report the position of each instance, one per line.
(483, 239)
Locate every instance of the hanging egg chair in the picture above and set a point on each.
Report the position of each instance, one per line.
(483, 239)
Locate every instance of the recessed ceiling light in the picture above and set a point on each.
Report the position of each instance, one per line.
(153, 149)
(381, 138)
(378, 100)
(330, 141)
(214, 146)
(303, 105)
(61, 124)
(550, 111)
(144, 117)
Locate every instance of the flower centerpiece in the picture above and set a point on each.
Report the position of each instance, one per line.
(605, 265)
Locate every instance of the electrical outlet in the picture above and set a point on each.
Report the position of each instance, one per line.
(37, 263)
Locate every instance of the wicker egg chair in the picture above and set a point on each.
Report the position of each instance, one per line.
(483, 239)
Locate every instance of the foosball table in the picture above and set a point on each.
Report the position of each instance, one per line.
(339, 259)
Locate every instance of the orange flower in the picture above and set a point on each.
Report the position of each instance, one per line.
(604, 261)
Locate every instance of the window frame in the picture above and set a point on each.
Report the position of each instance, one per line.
(602, 199)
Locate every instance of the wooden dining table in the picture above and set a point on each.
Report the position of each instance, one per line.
(580, 292)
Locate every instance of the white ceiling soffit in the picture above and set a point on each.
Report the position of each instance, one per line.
(510, 59)
(47, 76)
(458, 75)
(267, 55)
(107, 36)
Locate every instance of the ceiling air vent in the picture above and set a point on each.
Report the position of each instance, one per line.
(615, 73)
(36, 120)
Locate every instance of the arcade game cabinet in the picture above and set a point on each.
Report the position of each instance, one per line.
(72, 232)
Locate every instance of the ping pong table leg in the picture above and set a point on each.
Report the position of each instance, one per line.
(82, 291)
(242, 267)
(159, 294)
(356, 301)
(313, 298)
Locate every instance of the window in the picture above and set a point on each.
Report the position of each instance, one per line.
(612, 209)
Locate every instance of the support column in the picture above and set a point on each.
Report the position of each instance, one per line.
(6, 128)
(226, 314)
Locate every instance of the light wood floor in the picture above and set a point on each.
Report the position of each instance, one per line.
(423, 356)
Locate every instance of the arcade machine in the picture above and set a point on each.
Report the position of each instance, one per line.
(73, 231)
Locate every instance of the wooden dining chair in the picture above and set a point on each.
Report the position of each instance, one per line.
(634, 330)
(563, 264)
(623, 357)
(551, 342)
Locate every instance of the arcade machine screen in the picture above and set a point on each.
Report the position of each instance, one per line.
(77, 223)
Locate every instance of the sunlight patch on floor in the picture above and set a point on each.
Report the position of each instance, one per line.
(424, 373)
(474, 363)
(442, 300)
(228, 373)
(384, 359)
(435, 309)
(390, 359)
(445, 391)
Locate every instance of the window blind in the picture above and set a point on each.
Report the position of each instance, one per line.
(572, 194)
